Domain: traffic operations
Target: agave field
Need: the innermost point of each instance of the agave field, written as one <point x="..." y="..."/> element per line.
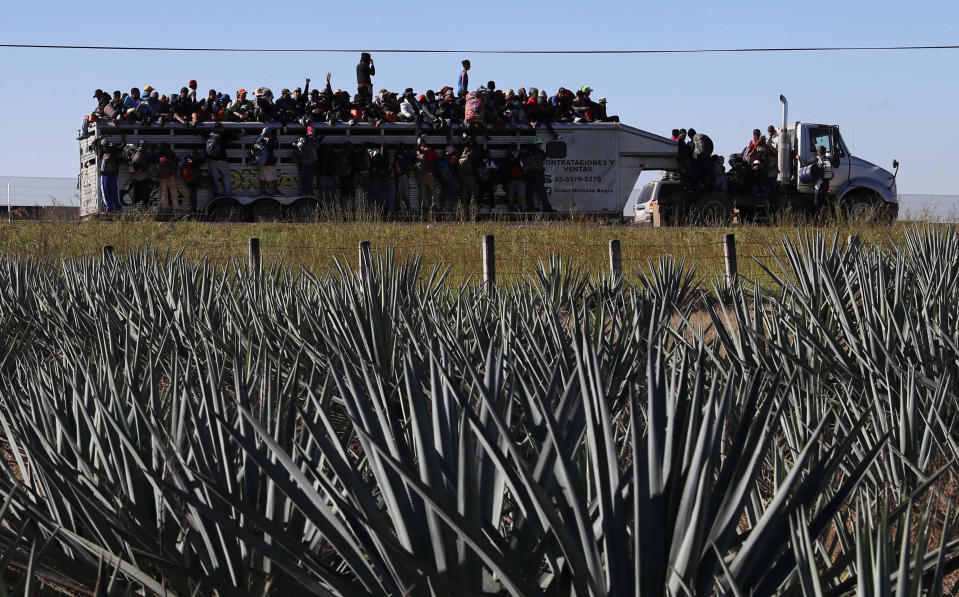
<point x="173" y="428"/>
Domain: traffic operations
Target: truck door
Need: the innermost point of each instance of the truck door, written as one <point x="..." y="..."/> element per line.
<point x="813" y="136"/>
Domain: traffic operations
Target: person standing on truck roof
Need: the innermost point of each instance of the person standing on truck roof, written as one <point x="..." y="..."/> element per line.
<point x="463" y="84"/>
<point x="364" y="71"/>
<point x="299" y="99"/>
<point x="773" y="138"/>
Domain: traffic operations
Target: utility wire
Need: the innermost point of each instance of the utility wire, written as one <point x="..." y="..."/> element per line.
<point x="432" y="51"/>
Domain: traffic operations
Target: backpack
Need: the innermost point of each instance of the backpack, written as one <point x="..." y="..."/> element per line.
<point x="305" y="150"/>
<point x="423" y="165"/>
<point x="260" y="151"/>
<point x="139" y="160"/>
<point x="213" y="146"/>
<point x="187" y="172"/>
<point x="166" y="166"/>
<point x="108" y="164"/>
<point x="483" y="171"/>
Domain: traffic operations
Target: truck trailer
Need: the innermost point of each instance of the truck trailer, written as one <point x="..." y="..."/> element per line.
<point x="590" y="169"/>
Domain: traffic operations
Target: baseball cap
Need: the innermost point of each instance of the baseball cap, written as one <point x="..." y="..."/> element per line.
<point x="586" y="89"/>
<point x="147" y="88"/>
<point x="241" y="90"/>
<point x="284" y="90"/>
<point x="192" y="83"/>
<point x="298" y="90"/>
<point x="537" y="141"/>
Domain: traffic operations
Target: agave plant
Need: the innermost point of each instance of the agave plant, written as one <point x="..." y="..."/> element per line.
<point x="177" y="429"/>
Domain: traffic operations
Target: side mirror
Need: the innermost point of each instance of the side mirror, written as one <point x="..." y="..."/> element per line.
<point x="895" y="164"/>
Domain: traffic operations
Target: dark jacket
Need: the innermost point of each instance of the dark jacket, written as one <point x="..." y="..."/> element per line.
<point x="365" y="70"/>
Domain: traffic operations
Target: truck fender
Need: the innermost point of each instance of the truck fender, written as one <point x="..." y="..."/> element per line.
<point x="855" y="184"/>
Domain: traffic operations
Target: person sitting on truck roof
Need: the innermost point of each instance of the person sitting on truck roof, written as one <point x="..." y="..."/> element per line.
<point x="286" y="111"/>
<point x="241" y="109"/>
<point x="756" y="146"/>
<point x="581" y="108"/>
<point x="264" y="108"/>
<point x="131" y="106"/>
<point x="103" y="99"/>
<point x="185" y="110"/>
<point x="600" y="112"/>
<point x="773" y="137"/>
<point x="209" y="108"/>
<point x="299" y="98"/>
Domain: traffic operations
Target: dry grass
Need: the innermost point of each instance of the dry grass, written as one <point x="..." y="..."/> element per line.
<point x="519" y="245"/>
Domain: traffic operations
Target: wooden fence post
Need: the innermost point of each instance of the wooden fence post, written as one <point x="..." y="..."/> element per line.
<point x="253" y="249"/>
<point x="363" y="259"/>
<point x="729" y="251"/>
<point x="489" y="262"/>
<point x="615" y="259"/>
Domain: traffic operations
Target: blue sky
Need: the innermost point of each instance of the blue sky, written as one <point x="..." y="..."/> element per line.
<point x="888" y="105"/>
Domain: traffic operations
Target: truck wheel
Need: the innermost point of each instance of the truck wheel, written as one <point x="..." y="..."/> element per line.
<point x="226" y="210"/>
<point x="266" y="210"/>
<point x="304" y="210"/>
<point x="862" y="205"/>
<point x="711" y="210"/>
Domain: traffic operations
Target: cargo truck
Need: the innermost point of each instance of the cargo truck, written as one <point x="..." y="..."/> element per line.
<point x="857" y="187"/>
<point x="591" y="169"/>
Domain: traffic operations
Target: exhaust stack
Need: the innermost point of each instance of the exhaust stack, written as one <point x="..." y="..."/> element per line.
<point x="782" y="147"/>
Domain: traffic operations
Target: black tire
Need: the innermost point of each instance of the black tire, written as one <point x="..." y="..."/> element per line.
<point x="266" y="210"/>
<point x="862" y="205"/>
<point x="226" y="210"/>
<point x="712" y="209"/>
<point x="304" y="210"/>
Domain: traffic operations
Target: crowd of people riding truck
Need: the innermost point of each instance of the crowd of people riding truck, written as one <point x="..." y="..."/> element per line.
<point x="447" y="176"/>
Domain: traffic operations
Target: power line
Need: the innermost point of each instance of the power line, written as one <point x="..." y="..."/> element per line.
<point x="468" y="51"/>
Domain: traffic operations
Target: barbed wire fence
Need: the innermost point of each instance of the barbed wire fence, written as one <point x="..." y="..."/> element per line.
<point x="504" y="260"/>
